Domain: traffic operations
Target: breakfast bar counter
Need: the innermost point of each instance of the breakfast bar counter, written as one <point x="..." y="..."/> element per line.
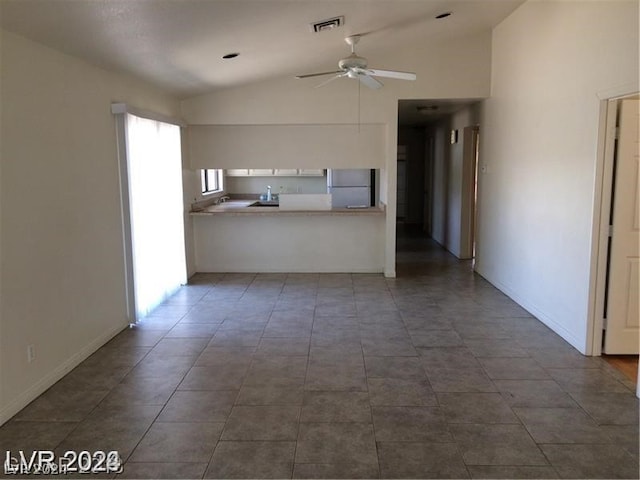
<point x="243" y="208"/>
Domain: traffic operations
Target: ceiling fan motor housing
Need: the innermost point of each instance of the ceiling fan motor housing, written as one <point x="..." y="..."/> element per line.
<point x="352" y="61"/>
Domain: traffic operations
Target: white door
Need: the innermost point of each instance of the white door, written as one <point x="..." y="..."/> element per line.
<point x="623" y="325"/>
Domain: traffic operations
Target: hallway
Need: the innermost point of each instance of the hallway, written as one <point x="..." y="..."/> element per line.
<point x="434" y="374"/>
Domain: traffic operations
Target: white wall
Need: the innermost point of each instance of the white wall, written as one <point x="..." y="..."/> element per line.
<point x="287" y="146"/>
<point x="457" y="68"/>
<point x="448" y="177"/>
<point x="62" y="273"/>
<point x="551" y="62"/>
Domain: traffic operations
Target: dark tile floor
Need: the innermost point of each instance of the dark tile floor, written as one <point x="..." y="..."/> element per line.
<point x="434" y="374"/>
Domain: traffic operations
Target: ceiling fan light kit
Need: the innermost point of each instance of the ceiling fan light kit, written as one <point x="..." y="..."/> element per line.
<point x="355" y="66"/>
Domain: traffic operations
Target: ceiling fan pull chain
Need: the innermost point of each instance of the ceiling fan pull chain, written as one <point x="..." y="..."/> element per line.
<point x="358" y="106"/>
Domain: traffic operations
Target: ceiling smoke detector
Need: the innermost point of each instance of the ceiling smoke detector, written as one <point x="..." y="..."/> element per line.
<point x="329" y="24"/>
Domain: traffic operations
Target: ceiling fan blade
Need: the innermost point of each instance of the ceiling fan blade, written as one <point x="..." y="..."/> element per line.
<point x="391" y="74"/>
<point x="309" y="75"/>
<point x="330" y="80"/>
<point x="370" y="82"/>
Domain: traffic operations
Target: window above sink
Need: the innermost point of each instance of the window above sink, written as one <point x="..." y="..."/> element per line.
<point x="211" y="181"/>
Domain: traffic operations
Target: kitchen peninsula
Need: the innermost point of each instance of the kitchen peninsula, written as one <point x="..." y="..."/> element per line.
<point x="236" y="237"/>
<point x="248" y="240"/>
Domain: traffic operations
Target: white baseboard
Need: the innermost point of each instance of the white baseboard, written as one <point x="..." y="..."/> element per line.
<point x="29" y="395"/>
<point x="236" y="269"/>
<point x="537" y="312"/>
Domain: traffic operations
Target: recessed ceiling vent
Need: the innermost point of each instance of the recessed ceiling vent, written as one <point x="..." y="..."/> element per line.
<point x="328" y="24"/>
<point x="426" y="109"/>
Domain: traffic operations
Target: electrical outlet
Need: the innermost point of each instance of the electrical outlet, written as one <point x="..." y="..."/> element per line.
<point x="31" y="353"/>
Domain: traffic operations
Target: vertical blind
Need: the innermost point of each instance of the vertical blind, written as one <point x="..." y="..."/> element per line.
<point x="156" y="210"/>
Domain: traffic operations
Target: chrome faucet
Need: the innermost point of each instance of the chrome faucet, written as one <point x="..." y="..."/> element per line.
<point x="269" y="193"/>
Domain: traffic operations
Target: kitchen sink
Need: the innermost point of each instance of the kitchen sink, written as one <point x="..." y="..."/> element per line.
<point x="272" y="203"/>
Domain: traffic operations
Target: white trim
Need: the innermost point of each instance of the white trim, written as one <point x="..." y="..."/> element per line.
<point x="537" y="313"/>
<point x="125" y="209"/>
<point x="47" y="381"/>
<point x="390" y="195"/>
<point x="600" y="225"/>
<point x="122" y="108"/>
<point x="266" y="269"/>
<point x="618" y="92"/>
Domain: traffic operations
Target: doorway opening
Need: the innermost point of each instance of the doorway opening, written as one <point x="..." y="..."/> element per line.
<point x="153" y="211"/>
<point x="614" y="315"/>
<point x="438" y="152"/>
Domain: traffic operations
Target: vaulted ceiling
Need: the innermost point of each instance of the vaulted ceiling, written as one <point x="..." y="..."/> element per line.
<point x="178" y="44"/>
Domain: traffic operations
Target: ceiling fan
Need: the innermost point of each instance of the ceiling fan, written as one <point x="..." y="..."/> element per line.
<point x="355" y="66"/>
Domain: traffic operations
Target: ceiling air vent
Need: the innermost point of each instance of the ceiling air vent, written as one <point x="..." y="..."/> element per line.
<point x="328" y="24"/>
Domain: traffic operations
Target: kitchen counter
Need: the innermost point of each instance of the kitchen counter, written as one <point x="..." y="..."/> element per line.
<point x="241" y="208"/>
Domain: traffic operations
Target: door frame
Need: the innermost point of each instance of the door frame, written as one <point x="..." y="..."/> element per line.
<point x="603" y="193"/>
<point x="470" y="156"/>
<point x="427" y="187"/>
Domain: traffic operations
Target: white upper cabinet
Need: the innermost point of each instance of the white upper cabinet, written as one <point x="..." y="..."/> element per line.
<point x="237" y="172"/>
<point x="270" y="172"/>
<point x="286" y="172"/>
<point x="261" y="172"/>
<point x="311" y="172"/>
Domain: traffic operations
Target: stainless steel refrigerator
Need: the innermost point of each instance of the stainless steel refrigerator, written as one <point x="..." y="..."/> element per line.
<point x="350" y="187"/>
